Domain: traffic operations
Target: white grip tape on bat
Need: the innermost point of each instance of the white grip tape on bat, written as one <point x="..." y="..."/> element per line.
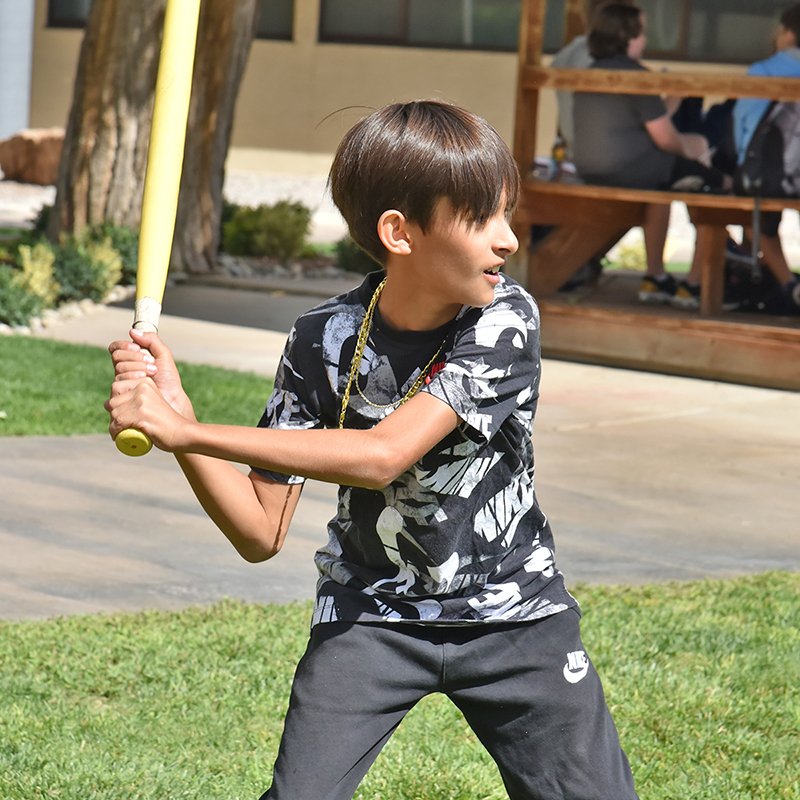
<point x="147" y="312"/>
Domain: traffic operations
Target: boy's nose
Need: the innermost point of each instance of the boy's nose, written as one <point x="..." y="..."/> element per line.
<point x="506" y="242"/>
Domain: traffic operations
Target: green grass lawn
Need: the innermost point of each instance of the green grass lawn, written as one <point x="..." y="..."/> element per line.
<point x="56" y="389"/>
<point x="703" y="679"/>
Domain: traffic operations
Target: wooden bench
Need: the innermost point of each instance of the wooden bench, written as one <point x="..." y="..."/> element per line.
<point x="589" y="219"/>
<point x="746" y="348"/>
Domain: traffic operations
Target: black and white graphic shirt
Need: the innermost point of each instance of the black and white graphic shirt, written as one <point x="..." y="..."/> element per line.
<point x="458" y="538"/>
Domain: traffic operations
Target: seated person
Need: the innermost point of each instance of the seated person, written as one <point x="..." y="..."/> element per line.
<point x="630" y="141"/>
<point x="747" y="113"/>
<point x="575" y="55"/>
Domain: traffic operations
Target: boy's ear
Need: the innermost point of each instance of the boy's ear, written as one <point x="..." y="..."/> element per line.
<point x="394" y="233"/>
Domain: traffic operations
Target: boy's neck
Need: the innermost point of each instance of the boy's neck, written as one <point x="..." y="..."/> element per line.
<point x="407" y="306"/>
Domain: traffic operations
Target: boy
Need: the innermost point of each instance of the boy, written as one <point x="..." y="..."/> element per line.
<point x="416" y="393"/>
<point x="747" y="113"/>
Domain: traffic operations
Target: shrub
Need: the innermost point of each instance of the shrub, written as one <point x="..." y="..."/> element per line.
<point x="125" y="241"/>
<point x="37" y="261"/>
<point x="41" y="219"/>
<point x="17" y="303"/>
<point x="86" y="268"/>
<point x="239" y="232"/>
<point x="278" y="231"/>
<point x="631" y="256"/>
<point x="351" y="258"/>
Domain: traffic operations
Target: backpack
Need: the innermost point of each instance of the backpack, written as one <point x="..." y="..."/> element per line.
<point x="771" y="165"/>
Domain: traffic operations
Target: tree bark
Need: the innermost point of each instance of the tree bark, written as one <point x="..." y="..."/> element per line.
<point x="225" y="34"/>
<point x="103" y="162"/>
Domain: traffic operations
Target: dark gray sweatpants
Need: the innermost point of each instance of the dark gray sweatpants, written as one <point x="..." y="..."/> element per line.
<point x="527" y="690"/>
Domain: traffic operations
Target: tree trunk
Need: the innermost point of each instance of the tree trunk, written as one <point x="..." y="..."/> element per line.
<point x="223" y="44"/>
<point x="103" y="162"/>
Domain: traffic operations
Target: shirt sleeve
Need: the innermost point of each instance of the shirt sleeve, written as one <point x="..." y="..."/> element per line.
<point x="293" y="404"/>
<point x="492" y="372"/>
<point x="649" y="107"/>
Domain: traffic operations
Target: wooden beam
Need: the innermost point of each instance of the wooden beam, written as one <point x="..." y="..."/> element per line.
<point x="681" y="84"/>
<point x="759" y="355"/>
<point x="538" y="192"/>
<point x="562" y="252"/>
<point x="709" y="252"/>
<point x="531" y="39"/>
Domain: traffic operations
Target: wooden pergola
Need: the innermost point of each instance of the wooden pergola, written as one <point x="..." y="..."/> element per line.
<point x="743" y="348"/>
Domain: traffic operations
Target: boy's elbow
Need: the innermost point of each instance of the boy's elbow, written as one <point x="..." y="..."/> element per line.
<point x="385" y="466"/>
<point x="256" y="552"/>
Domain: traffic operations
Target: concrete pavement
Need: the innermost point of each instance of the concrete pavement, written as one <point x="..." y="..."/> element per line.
<point x="644" y="478"/>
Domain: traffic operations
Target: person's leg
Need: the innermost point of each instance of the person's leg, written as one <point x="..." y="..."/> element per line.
<point x="656" y="224"/>
<point x="352" y="688"/>
<point x="788" y="298"/>
<point x="773" y="256"/>
<point x="657" y="286"/>
<point x="536" y="703"/>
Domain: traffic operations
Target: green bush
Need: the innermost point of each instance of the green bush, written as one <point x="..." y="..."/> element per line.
<point x="41" y="219"/>
<point x="239" y="232"/>
<point x="278" y="231"/>
<point x="125" y="241"/>
<point x="86" y="268"/>
<point x="37" y="262"/>
<point x="351" y="258"/>
<point x="17" y="303"/>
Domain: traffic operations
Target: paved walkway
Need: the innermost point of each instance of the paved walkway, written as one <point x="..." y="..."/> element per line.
<point x="644" y="478"/>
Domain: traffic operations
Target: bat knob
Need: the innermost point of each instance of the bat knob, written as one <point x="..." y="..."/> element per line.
<point x="133" y="443"/>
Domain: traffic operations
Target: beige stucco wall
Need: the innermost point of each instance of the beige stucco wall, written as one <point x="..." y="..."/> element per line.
<point x="55" y="62"/>
<point x="297" y="98"/>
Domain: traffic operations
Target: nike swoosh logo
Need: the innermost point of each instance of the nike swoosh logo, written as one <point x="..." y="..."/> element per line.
<point x="575" y="677"/>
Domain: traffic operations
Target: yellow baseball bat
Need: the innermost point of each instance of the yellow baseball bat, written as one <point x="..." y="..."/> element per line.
<point x="162" y="178"/>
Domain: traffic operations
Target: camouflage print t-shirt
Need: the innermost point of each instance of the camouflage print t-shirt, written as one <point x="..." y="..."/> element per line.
<point x="458" y="538"/>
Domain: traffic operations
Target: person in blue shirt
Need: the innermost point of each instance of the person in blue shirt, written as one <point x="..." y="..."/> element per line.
<point x="747" y="113"/>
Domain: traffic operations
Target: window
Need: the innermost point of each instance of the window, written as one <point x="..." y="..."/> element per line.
<point x="735" y="31"/>
<point x="67" y="13"/>
<point x="275" y="20"/>
<point x="451" y="24"/>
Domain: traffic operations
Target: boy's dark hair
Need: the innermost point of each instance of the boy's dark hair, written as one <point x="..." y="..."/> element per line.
<point x="613" y="26"/>
<point x="408" y="156"/>
<point x="790" y="19"/>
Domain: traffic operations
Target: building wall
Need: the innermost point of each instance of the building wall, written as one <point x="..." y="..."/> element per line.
<point x="298" y="98"/>
<point x="16" y="45"/>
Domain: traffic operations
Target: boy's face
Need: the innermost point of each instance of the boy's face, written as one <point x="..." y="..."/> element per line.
<point x="459" y="263"/>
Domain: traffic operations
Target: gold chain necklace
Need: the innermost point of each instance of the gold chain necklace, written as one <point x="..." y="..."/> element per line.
<point x="361" y="343"/>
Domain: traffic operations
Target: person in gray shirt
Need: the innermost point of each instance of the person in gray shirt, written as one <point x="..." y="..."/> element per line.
<point x="629" y="140"/>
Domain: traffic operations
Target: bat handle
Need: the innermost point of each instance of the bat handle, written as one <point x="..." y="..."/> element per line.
<point x="130" y="441"/>
<point x="133" y="443"/>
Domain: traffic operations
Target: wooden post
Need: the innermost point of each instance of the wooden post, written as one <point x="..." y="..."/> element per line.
<point x="531" y="35"/>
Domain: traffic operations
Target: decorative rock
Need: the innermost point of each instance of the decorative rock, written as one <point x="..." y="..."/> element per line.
<point x="32" y="155"/>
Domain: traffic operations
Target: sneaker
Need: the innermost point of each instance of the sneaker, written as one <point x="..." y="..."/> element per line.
<point x="657" y="290"/>
<point x="686" y="296"/>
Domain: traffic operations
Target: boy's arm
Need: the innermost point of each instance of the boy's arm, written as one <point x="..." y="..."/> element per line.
<point x="369" y="458"/>
<point x="253" y="512"/>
